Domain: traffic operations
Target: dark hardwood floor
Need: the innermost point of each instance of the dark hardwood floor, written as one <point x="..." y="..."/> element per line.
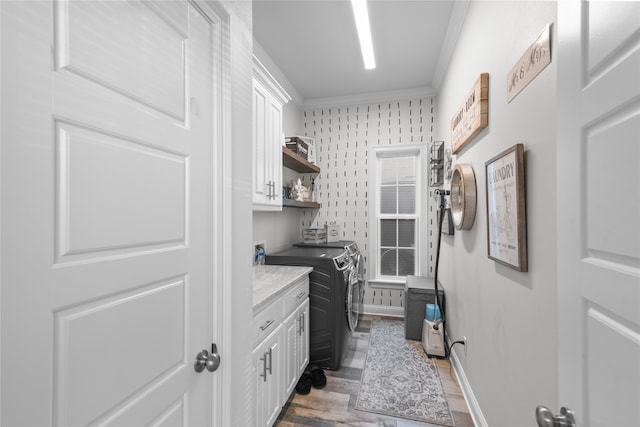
<point x="334" y="405"/>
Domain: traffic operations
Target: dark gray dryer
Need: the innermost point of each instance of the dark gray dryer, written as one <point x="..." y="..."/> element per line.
<point x="329" y="333"/>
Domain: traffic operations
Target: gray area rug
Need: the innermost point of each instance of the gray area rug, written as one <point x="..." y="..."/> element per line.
<point x="399" y="379"/>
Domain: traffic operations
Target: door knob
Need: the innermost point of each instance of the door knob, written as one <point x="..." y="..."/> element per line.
<point x="545" y="417"/>
<point x="206" y="360"/>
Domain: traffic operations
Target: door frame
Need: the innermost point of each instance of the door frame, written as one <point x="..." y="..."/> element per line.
<point x="221" y="238"/>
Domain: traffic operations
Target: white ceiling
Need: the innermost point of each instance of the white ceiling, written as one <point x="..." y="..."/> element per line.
<point x="315" y="44"/>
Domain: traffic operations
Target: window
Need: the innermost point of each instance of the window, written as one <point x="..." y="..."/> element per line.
<point x="396" y="213"/>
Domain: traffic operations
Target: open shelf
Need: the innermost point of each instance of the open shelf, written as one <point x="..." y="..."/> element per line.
<point x="296" y="204"/>
<point x="292" y="161"/>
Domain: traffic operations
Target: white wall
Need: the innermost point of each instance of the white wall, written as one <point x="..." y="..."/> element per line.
<point x="238" y="356"/>
<point x="279" y="230"/>
<point x="292" y="119"/>
<point x="508" y="317"/>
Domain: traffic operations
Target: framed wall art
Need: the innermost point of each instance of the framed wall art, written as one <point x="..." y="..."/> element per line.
<point x="506" y="208"/>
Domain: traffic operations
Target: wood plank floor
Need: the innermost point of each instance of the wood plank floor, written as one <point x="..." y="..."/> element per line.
<point x="334" y="405"/>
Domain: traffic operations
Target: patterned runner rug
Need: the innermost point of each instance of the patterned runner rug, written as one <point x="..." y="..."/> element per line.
<point x="399" y="379"/>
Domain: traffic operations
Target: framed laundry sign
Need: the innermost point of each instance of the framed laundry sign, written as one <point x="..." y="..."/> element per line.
<point x="472" y="116"/>
<point x="506" y="208"/>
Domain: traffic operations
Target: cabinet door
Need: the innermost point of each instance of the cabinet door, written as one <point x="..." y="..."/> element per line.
<point x="273" y="399"/>
<point x="291" y="338"/>
<point x="259" y="386"/>
<point x="276" y="138"/>
<point x="303" y="338"/>
<point x="267" y="367"/>
<point x="267" y="151"/>
<point x="262" y="154"/>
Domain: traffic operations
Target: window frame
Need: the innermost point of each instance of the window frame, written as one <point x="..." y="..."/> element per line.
<point x="419" y="151"/>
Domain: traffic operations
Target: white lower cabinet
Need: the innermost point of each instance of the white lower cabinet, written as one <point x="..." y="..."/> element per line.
<point x="267" y="365"/>
<point x="296" y="331"/>
<point x="281" y="351"/>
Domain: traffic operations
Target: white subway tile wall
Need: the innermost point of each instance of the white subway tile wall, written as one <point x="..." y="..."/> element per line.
<point x="343" y="136"/>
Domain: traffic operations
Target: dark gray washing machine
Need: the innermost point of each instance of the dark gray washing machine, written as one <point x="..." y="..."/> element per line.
<point x="329" y="333"/>
<point x="355" y="301"/>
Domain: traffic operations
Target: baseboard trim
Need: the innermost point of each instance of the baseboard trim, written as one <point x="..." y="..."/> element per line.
<point x="469" y="397"/>
<point x="383" y="310"/>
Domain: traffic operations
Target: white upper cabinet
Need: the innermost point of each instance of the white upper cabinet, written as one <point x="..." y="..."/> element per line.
<point x="268" y="101"/>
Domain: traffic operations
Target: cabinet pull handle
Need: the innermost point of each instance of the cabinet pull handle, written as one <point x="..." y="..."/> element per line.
<point x="272" y="190"/>
<point x="264" y="367"/>
<point x="301" y="323"/>
<point x="270" y="363"/>
<point x="266" y="325"/>
<point x="301" y="294"/>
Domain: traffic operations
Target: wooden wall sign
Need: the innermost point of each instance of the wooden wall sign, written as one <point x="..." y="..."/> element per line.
<point x="472" y="116"/>
<point x="530" y="64"/>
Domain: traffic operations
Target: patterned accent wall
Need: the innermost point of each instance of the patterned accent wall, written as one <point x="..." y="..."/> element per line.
<point x="343" y="136"/>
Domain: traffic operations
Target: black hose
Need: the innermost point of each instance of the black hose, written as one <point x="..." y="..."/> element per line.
<point x="438" y="304"/>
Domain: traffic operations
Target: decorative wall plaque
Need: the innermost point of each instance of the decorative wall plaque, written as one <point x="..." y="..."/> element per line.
<point x="530" y="64"/>
<point x="472" y="116"/>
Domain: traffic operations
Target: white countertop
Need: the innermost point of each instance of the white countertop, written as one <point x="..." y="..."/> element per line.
<point x="269" y="281"/>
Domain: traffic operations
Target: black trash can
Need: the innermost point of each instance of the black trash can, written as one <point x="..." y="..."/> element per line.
<point x="418" y="292"/>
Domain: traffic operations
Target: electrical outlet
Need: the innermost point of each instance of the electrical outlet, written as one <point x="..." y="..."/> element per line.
<point x="465" y="345"/>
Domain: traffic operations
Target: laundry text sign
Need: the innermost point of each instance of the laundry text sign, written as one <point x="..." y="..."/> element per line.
<point x="472" y="116"/>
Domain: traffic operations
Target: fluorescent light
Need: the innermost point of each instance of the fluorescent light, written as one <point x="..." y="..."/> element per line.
<point x="364" y="32"/>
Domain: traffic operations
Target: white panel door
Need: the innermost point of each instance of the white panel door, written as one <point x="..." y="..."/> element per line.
<point x="599" y="211"/>
<point x="108" y="172"/>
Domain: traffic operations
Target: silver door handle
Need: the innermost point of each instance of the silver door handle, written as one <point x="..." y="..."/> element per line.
<point x="545" y="417"/>
<point x="209" y="361"/>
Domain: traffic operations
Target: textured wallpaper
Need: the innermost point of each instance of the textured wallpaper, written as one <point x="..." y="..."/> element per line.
<point x="343" y="136"/>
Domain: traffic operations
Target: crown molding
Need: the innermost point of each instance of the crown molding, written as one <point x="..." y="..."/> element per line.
<point x="267" y="64"/>
<point x="369" y="98"/>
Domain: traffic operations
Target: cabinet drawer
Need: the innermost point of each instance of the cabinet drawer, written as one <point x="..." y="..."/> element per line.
<point x="266" y="321"/>
<point x="296" y="295"/>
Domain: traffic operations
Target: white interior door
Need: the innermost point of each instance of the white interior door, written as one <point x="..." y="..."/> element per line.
<point x="599" y="211"/>
<point x="108" y="151"/>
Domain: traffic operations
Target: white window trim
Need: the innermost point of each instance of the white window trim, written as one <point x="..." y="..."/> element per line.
<point x="422" y="188"/>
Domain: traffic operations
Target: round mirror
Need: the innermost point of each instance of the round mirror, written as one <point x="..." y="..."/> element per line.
<point x="463" y="196"/>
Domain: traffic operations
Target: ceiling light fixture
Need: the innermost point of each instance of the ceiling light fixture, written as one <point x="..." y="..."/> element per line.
<point x="364" y="32"/>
